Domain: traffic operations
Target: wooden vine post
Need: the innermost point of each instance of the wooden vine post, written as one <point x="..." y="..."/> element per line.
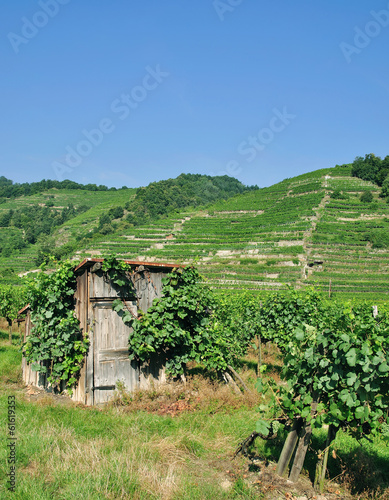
<point x="321" y="466"/>
<point x="259" y="350"/>
<point x="289" y="446"/>
<point x="302" y="447"/>
<point x="259" y="356"/>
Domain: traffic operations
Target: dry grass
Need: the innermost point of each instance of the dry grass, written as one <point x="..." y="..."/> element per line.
<point x="198" y="393"/>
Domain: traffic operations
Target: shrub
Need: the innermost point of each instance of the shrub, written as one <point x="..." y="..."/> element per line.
<point x="366" y="197"/>
<point x="339" y="195"/>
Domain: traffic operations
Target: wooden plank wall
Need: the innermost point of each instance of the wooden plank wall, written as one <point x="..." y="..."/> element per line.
<point x="107" y="360"/>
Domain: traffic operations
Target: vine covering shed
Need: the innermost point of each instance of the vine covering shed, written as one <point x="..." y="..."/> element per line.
<point x="107" y="360"/>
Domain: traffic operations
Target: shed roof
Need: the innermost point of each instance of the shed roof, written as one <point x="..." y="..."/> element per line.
<point x="24" y="310"/>
<point x="89" y="262"/>
<point x="135" y="263"/>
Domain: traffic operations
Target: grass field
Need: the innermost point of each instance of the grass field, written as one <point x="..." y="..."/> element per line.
<point x="173" y="443"/>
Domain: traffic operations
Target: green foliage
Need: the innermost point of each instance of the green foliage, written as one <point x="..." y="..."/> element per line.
<point x="336" y="357"/>
<point x="105" y="221"/>
<point x="234" y="326"/>
<point x="56" y="345"/>
<point x="176" y="324"/>
<point x="47" y="249"/>
<point x="337" y="194"/>
<point x="9" y="189"/>
<point x="371" y="168"/>
<point x="188" y="324"/>
<point x="283" y="312"/>
<point x="12" y="299"/>
<point x="161" y="198"/>
<point x="385" y="188"/>
<point x="342" y="364"/>
<point x="366" y="197"/>
<point x="33" y="223"/>
<point x="117" y="271"/>
<point x="379" y="238"/>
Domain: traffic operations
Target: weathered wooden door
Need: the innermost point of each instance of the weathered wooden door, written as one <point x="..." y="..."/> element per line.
<point x="111" y="358"/>
<point x="110" y="362"/>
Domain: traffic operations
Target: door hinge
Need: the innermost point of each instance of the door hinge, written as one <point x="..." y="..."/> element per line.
<point x="103" y="388"/>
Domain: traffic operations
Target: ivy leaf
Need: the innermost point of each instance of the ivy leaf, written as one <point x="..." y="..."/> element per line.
<point x="305" y="412"/>
<point x="347" y="398"/>
<point x="360" y="412"/>
<point x="384" y="367"/>
<point x="117" y="305"/>
<point x="351" y="357"/>
<point x="262" y="427"/>
<point x="259" y="385"/>
<point x="49" y="314"/>
<point x="299" y="334"/>
<point x="309" y="354"/>
<point x="351" y="378"/>
<point x="323" y="363"/>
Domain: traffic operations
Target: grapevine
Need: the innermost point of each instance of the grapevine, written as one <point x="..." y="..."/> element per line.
<point x="336" y="368"/>
<point x="56" y="345"/>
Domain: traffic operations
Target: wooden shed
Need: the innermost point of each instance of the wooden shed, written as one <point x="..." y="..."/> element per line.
<point x="107" y="361"/>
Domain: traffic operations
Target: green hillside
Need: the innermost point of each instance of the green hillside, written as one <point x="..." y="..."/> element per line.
<point x="290" y="233"/>
<point x="58" y="218"/>
<point x="311" y="229"/>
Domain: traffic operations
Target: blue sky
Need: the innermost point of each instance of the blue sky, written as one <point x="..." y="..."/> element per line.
<point x="126" y="92"/>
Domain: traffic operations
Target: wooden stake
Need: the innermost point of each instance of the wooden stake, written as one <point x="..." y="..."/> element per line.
<point x="236" y="375"/>
<point x="259" y="356"/>
<point x="301" y="451"/>
<point x="322" y="464"/>
<point x="302" y="447"/>
<point x="289" y="446"/>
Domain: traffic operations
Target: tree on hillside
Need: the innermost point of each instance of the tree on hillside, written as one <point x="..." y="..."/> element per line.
<point x="385" y="188"/>
<point x="366" y="168"/>
<point x="371" y="168"/>
<point x="366" y="197"/>
<point x="384" y="171"/>
<point x="161" y="198"/>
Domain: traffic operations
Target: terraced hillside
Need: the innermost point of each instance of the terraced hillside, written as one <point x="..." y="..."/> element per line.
<point x="296" y="232"/>
<point x="341" y="240"/>
<point x="290" y="233"/>
<point x="99" y="202"/>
